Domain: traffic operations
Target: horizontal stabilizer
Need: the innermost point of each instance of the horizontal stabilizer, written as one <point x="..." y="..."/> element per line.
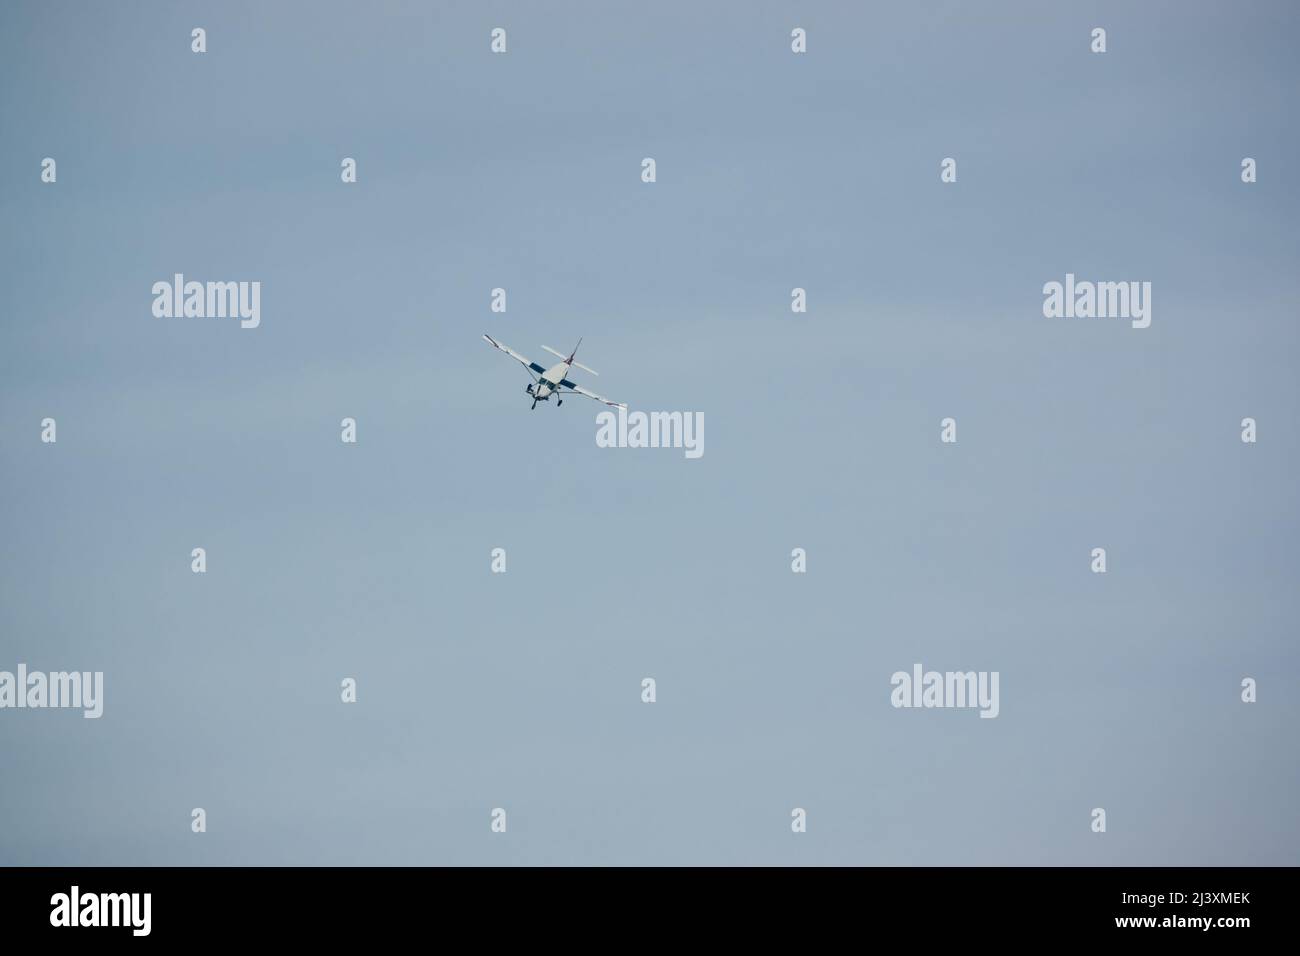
<point x="567" y="359"/>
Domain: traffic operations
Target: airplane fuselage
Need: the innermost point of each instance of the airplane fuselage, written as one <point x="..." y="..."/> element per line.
<point x="549" y="381"/>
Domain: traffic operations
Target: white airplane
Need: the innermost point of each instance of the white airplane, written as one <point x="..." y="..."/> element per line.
<point x="553" y="380"/>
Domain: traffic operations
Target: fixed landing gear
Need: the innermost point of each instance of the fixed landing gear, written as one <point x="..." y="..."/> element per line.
<point x="559" y="402"/>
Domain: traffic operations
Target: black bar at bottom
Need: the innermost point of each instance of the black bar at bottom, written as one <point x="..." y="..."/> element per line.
<point x="220" y="905"/>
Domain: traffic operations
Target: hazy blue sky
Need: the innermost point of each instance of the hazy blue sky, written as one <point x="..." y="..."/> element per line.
<point x="522" y="690"/>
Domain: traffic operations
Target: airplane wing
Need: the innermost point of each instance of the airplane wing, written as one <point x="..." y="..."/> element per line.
<point x="513" y="354"/>
<point x="582" y="391"/>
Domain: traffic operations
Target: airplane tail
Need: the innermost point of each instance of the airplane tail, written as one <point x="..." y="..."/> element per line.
<point x="569" y="358"/>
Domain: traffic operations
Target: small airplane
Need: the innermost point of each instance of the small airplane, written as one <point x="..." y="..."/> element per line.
<point x="553" y="380"/>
